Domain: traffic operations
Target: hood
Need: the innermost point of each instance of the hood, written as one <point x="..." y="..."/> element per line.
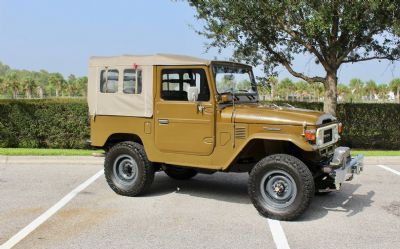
<point x="268" y="114"/>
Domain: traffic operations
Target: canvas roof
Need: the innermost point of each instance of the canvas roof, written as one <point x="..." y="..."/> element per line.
<point x="147" y="60"/>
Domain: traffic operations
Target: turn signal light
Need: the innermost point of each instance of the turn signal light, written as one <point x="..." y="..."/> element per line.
<point x="310" y="135"/>
<point x="340" y="128"/>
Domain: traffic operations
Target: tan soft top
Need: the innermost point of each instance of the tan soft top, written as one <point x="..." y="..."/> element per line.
<point x="147" y="60"/>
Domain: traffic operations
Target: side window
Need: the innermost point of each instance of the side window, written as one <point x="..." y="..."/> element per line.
<point x="109" y="81"/>
<point x="175" y="84"/>
<point x="132" y="81"/>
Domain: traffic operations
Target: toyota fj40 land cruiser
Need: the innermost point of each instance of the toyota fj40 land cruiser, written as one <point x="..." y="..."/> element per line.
<point x="184" y="115"/>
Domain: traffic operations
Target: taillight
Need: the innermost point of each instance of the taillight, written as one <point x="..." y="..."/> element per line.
<point x="310" y="135"/>
<point x="340" y="128"/>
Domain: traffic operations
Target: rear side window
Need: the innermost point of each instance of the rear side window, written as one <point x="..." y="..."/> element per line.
<point x="132" y="81"/>
<point x="109" y="81"/>
<point x="175" y="84"/>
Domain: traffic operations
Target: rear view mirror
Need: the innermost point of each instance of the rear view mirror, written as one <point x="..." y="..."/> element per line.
<point x="224" y="98"/>
<point x="192" y="94"/>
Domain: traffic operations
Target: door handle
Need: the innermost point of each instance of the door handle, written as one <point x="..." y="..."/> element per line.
<point x="163" y="121"/>
<point x="200" y="108"/>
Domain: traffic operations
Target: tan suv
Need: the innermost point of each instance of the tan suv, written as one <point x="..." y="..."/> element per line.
<point x="185" y="115"/>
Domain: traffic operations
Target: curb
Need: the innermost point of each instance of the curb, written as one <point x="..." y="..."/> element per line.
<point x="51" y="159"/>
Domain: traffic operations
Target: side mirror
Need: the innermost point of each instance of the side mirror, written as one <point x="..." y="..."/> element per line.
<point x="192" y="94"/>
<point x="223" y="98"/>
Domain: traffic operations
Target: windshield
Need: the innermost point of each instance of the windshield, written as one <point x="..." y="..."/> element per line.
<point x="234" y="78"/>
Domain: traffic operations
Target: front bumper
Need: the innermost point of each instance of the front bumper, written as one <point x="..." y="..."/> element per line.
<point x="343" y="166"/>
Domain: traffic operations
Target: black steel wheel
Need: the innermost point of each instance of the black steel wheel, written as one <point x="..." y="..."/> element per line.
<point x="127" y="170"/>
<point x="281" y="187"/>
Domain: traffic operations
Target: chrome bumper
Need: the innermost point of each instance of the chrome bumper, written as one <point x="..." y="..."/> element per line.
<point x="344" y="166"/>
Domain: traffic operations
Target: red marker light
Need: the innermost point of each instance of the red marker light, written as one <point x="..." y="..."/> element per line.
<point x="135" y="66"/>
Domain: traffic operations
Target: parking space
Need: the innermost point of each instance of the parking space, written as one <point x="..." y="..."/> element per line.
<point x="209" y="211"/>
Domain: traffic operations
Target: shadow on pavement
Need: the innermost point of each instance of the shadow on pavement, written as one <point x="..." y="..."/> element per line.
<point x="344" y="201"/>
<point x="229" y="187"/>
<point x="233" y="188"/>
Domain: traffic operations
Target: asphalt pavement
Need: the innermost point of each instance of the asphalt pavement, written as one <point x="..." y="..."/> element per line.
<point x="48" y="202"/>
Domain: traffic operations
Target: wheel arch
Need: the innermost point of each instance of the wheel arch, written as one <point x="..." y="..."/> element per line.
<point x="121" y="137"/>
<point x="258" y="147"/>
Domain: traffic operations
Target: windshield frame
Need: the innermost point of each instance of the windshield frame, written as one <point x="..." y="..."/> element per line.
<point x="235" y="65"/>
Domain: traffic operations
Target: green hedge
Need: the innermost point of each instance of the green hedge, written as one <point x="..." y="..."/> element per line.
<point x="50" y="123"/>
<point x="63" y="123"/>
<point x="366" y="126"/>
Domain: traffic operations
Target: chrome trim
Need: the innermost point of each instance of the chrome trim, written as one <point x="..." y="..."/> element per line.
<point x="344" y="166"/>
<point x="320" y="135"/>
<point x="271" y="129"/>
<point x="324" y="117"/>
<point x="163" y="121"/>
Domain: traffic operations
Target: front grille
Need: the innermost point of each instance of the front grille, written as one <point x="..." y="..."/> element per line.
<point x="328" y="136"/>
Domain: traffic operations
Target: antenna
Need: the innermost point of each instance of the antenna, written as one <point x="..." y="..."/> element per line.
<point x="233" y="112"/>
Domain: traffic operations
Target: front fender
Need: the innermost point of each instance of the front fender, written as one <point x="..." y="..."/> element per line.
<point x="297" y="140"/>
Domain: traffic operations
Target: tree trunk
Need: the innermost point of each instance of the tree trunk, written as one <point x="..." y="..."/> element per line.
<point x="398" y="94"/>
<point x="40" y="92"/>
<point x="272" y="91"/>
<point x="29" y="93"/>
<point x="14" y="93"/>
<point x="56" y="92"/>
<point x="330" y="97"/>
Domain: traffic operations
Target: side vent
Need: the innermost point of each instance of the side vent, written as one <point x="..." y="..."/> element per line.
<point x="240" y="132"/>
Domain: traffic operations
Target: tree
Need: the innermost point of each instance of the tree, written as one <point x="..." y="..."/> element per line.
<point x="28" y="84"/>
<point x="71" y="86"/>
<point x="11" y="82"/>
<point x="286" y="88"/>
<point x="382" y="91"/>
<point x="302" y="89"/>
<point x="273" y="82"/>
<point x="357" y="89"/>
<point x="343" y="91"/>
<point x="371" y="88"/>
<point x="56" y="80"/>
<point x="81" y="84"/>
<point x="272" y="32"/>
<point x="395" y="87"/>
<point x="4" y="69"/>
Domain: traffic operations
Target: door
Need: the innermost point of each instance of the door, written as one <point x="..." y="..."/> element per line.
<point x="183" y="126"/>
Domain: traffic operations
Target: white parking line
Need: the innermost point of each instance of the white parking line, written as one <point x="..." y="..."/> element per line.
<point x="389" y="169"/>
<point x="50" y="212"/>
<point x="278" y="234"/>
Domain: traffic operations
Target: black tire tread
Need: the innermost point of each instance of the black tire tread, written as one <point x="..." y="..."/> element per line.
<point x="147" y="178"/>
<point x="305" y="175"/>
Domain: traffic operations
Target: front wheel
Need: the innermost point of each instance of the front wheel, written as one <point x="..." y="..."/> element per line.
<point x="281" y="187"/>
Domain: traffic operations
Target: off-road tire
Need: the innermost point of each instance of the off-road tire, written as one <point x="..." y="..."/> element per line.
<point x="301" y="176"/>
<point x="145" y="171"/>
<point x="180" y="173"/>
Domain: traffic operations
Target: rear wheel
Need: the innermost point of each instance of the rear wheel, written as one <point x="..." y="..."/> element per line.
<point x="127" y="169"/>
<point x="179" y="173"/>
<point x="281" y="187"/>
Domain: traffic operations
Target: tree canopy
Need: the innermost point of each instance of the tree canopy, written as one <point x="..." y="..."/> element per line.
<point x="272" y="32"/>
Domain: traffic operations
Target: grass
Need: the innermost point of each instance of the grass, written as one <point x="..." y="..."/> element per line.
<point x="76" y="152"/>
<point x="376" y="152"/>
<point x="46" y="152"/>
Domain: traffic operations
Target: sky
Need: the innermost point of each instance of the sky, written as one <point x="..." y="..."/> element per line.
<point x="60" y="36"/>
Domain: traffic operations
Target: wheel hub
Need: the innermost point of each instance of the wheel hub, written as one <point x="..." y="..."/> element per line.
<point x="278" y="189"/>
<point x="125" y="169"/>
